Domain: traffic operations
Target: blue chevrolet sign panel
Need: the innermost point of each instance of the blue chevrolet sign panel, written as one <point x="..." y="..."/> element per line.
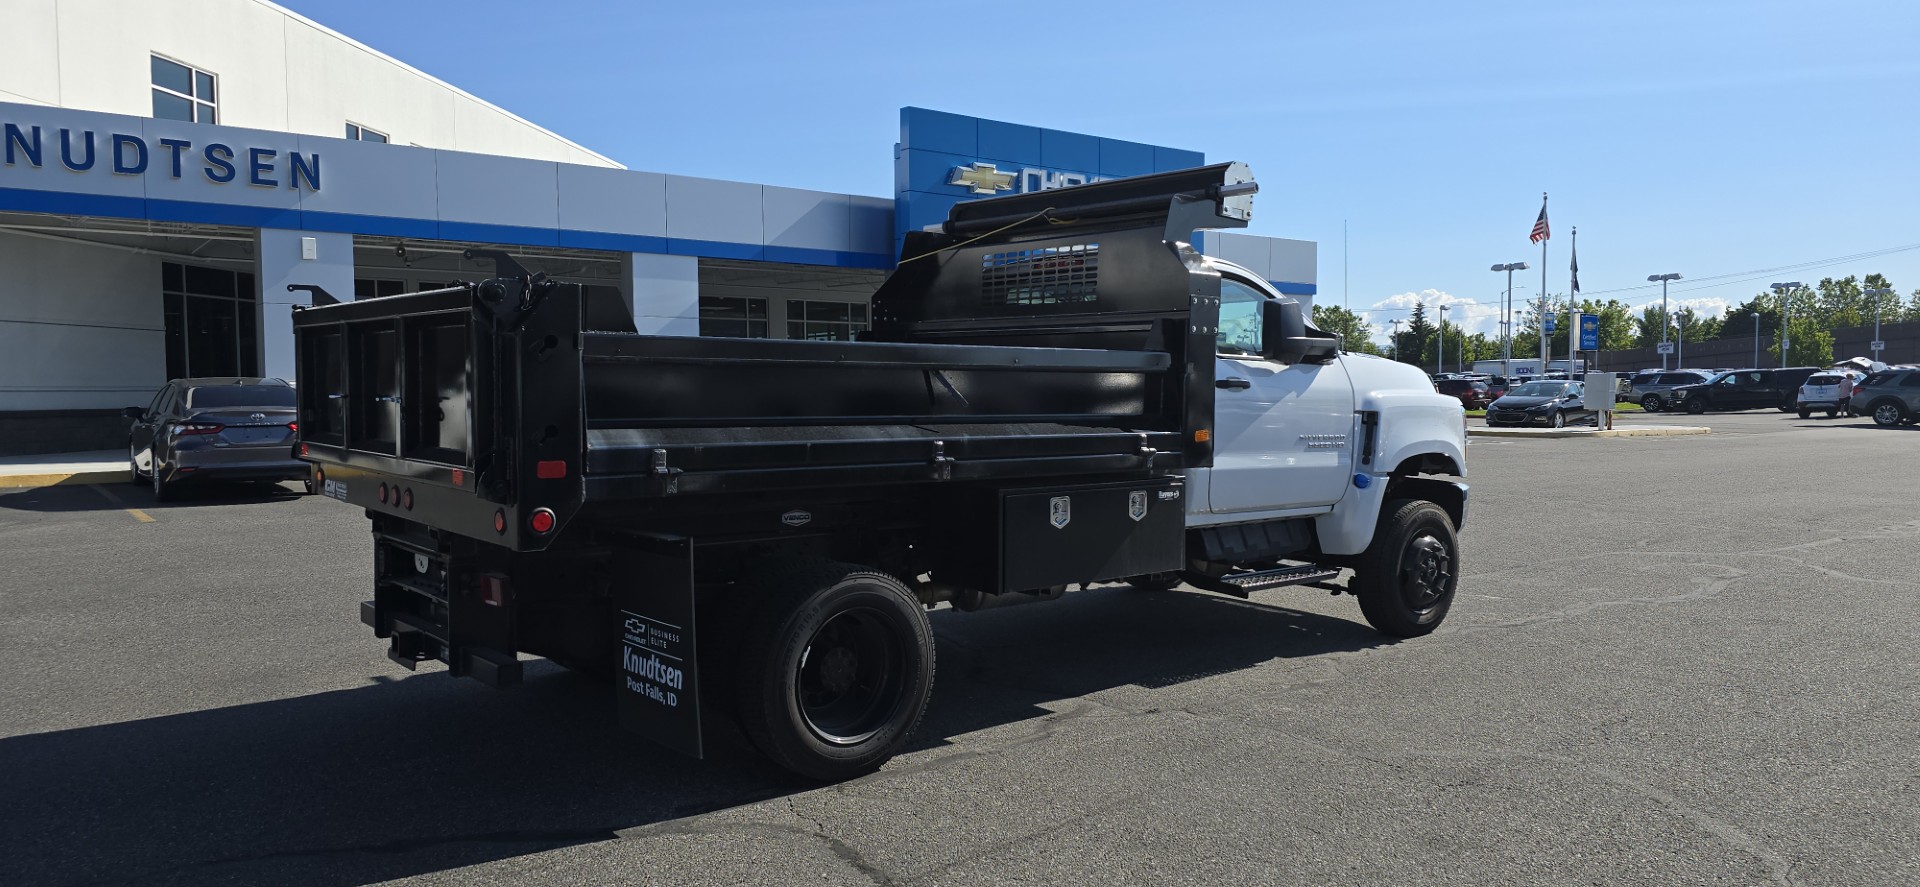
<point x="944" y="158"/>
<point x="1589" y="332"/>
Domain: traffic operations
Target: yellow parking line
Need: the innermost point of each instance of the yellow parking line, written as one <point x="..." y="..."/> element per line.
<point x="138" y="515"/>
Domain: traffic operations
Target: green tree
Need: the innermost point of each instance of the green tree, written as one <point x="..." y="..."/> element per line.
<point x="1354" y="331"/>
<point x="1739" y="319"/>
<point x="1415" y="343"/>
<point x="1647" y="327"/>
<point x="1810" y="343"/>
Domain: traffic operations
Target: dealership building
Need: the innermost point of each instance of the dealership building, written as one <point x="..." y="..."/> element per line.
<point x="170" y="168"/>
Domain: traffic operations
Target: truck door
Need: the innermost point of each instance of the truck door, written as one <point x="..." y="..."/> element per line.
<point x="1280" y="432"/>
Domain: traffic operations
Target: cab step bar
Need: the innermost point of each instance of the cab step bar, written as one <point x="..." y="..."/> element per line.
<point x="1241" y="585"/>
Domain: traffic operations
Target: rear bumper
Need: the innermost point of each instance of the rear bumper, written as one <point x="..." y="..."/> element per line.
<point x="235" y="465"/>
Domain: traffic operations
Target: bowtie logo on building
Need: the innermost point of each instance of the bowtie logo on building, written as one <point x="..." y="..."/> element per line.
<point x="982" y="178"/>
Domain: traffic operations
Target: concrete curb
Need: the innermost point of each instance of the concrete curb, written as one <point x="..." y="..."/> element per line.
<point x="61" y="479"/>
<point x="1556" y="433"/>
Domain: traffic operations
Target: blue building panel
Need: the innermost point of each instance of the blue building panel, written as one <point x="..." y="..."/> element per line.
<point x="940" y="131"/>
<point x="1010" y="143"/>
<point x="1120" y="159"/>
<point x="1070" y="151"/>
<point x="1174" y="158"/>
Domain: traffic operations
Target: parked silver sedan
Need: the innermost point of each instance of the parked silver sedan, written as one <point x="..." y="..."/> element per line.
<point x="214" y="429"/>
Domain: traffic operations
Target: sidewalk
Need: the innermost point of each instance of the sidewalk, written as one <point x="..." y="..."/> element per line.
<point x="96" y="467"/>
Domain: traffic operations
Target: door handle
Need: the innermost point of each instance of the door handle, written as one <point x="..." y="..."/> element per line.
<point x="1232" y="384"/>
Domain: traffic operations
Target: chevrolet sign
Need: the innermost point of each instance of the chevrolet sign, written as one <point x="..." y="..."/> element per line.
<point x="982" y="178"/>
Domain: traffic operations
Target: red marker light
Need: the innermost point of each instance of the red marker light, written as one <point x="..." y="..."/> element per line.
<point x="406" y="499"/>
<point x="541" y="521"/>
<point x="551" y="470"/>
<point x="500" y="521"/>
<point x="303" y="449"/>
<point x="459" y="478"/>
<point x="383" y="493"/>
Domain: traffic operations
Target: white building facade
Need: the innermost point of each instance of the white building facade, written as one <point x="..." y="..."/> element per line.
<point x="168" y="169"/>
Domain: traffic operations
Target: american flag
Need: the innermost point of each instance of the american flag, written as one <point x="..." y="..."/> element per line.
<point x="1540" y="231"/>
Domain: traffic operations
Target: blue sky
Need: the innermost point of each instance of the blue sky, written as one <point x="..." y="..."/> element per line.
<point x="1706" y="138"/>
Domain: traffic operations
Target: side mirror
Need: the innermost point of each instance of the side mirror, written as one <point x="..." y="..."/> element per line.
<point x="1285" y="336"/>
<point x="134" y="412"/>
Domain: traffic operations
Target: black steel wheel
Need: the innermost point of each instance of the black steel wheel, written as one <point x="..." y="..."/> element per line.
<point x="1696" y="405"/>
<point x="835" y="671"/>
<point x="1652" y="403"/>
<point x="1155" y="581"/>
<point x="1888" y="413"/>
<point x="1406" y="578"/>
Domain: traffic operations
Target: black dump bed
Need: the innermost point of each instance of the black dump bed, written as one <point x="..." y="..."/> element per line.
<point x="1068" y="333"/>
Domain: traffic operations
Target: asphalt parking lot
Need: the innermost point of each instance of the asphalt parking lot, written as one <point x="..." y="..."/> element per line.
<point x="1682" y="660"/>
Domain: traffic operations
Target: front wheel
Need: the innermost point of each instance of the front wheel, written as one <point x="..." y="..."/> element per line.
<point x="1652" y="403"/>
<point x="1557" y="420"/>
<point x="835" y="671"/>
<point x="1696" y="406"/>
<point x="1407" y="576"/>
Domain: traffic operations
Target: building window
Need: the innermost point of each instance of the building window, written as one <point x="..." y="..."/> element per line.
<point x="733" y="316"/>
<point x="360" y="133"/>
<point x="210" y="321"/>
<point x="365" y="288"/>
<point x="827" y="321"/>
<point x="183" y="93"/>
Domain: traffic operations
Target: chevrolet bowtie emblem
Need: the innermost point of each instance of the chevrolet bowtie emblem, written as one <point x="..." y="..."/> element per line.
<point x="982" y="178"/>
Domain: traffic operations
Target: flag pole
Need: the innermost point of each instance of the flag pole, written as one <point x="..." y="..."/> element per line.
<point x="1545" y="355"/>
<point x="1573" y="318"/>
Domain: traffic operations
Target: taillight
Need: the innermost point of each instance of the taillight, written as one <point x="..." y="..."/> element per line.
<point x="293" y="426"/>
<point x="1857" y="389"/>
<point x="197" y="428"/>
<point x="541" y="521"/>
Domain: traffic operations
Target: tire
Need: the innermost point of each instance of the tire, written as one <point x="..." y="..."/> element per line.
<point x="1696" y="406"/>
<point x="1832" y="413"/>
<point x="1807" y="413"/>
<point x="1557" y="420"/>
<point x="1155" y="581"/>
<point x="1786" y="405"/>
<point x="1888" y="413"/>
<point x="1407" y="576"/>
<point x="162" y="492"/>
<point x="834" y="670"/>
<point x="133" y="467"/>
<point x="1652" y="403"/>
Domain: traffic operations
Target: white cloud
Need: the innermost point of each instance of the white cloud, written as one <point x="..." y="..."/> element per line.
<point x="1702" y="307"/>
<point x="1469" y="314"/>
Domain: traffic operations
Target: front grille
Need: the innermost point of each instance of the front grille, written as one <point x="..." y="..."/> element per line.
<point x="1053" y="275"/>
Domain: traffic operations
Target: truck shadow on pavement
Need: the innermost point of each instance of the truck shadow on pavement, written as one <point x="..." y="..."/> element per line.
<point x="69" y="498"/>
<point x="424" y="773"/>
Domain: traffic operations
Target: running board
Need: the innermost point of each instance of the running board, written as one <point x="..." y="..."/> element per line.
<point x="1242" y="584"/>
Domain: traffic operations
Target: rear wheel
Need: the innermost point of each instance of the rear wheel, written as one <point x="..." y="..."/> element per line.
<point x="1652" y="403"/>
<point x="1154" y="581"/>
<point x="162" y="491"/>
<point x="835" y="670"/>
<point x="1407" y="576"/>
<point x="1888" y="413"/>
<point x="1832" y="413"/>
<point x="1805" y="413"/>
<point x="133" y="465"/>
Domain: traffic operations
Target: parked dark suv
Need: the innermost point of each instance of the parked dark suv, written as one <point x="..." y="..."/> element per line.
<point x="1891" y="397"/>
<point x="1474" y="394"/>
<point x="214" y="429"/>
<point x="1653" y="390"/>
<point x="1744" y="390"/>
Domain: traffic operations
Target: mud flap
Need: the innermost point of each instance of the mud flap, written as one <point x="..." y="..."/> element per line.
<point x="658" y="682"/>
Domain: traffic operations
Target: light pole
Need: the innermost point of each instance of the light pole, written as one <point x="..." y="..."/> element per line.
<point x="1680" y="320"/>
<point x="1440" y="352"/>
<point x="1878" y="294"/>
<point x="1662" y="280"/>
<point x="1506" y="317"/>
<point x="1396" y="338"/>
<point x="1785" y="339"/>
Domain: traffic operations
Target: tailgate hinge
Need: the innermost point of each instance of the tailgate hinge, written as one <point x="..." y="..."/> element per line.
<point x="942" y="463"/>
<point x="669" y="478"/>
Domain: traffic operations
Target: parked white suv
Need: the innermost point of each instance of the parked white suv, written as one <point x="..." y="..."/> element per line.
<point x="1828" y="391"/>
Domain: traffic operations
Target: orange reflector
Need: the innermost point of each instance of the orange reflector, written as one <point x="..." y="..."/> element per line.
<point x="550" y="470"/>
<point x="1203" y="435"/>
<point x="541" y="521"/>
